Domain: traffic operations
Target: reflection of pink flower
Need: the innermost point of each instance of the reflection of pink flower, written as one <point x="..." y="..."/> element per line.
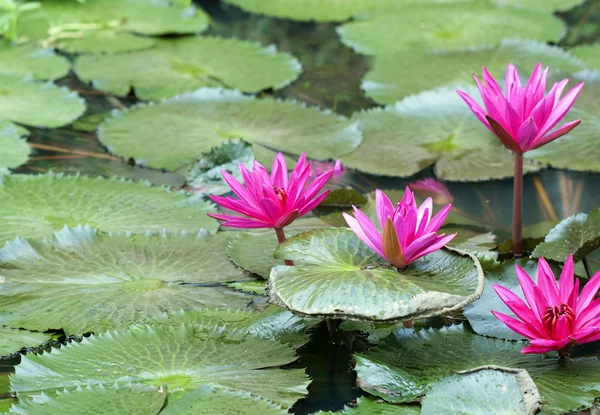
<point x="409" y="233"/>
<point x="320" y="167"/>
<point x="524" y="118"/>
<point x="437" y="191"/>
<point x="556" y="317"/>
<point x="271" y="201"/>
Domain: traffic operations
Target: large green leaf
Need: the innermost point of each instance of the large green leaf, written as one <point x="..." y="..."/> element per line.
<point x="399" y="75"/>
<point x="118" y="398"/>
<point x="199" y="121"/>
<point x="40" y="63"/>
<point x="34" y="206"/>
<point x="589" y="54"/>
<point x="402" y="366"/>
<point x="15" y="150"/>
<point x="370" y="406"/>
<point x="578" y="235"/>
<point x="434" y="127"/>
<point x="483" y="391"/>
<point x="105" y="41"/>
<point x="337" y="275"/>
<point x="82" y="282"/>
<point x="38" y="104"/>
<point x="447" y="27"/>
<point x="181" y="65"/>
<point x="184" y="357"/>
<point x="13" y="340"/>
<point x="540" y="5"/>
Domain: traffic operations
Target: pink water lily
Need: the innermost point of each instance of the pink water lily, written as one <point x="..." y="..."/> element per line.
<point x="556" y="315"/>
<point x="271" y="201"/>
<point x="339" y="170"/>
<point x="523" y="119"/>
<point x="429" y="187"/>
<point x="409" y="232"/>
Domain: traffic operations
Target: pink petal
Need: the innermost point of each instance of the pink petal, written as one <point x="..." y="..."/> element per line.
<point x="513" y="121"/>
<point x="438" y="220"/>
<point x="588" y="314"/>
<point x="240" y="207"/>
<point x="475" y="108"/>
<point x="561" y="108"/>
<point x="515" y="325"/>
<point x="360" y="233"/>
<point x="286" y="219"/>
<point x="561" y="329"/>
<point x="588" y="335"/>
<point x="313" y="203"/>
<point x="547" y="282"/>
<point x="518" y="306"/>
<point x="279" y="174"/>
<point x="566" y="281"/>
<point x="424" y="214"/>
<point x="296" y="185"/>
<point x="239" y="190"/>
<point x="527" y="133"/>
<point x="438" y="243"/>
<point x="384" y="207"/>
<point x="532" y="293"/>
<point x="559" y="132"/>
<point x="545" y="346"/>
<point x="317" y="185"/>
<point x="589" y="292"/>
<point x="237" y="222"/>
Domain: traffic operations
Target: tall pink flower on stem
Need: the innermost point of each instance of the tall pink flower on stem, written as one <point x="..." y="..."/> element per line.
<point x="409" y="232"/>
<point x="556" y="316"/>
<point x="271" y="201"/>
<point x="523" y="120"/>
<point x="429" y="187"/>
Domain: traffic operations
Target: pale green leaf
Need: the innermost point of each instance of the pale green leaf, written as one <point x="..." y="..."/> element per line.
<point x="28" y="59"/>
<point x="15" y="150"/>
<point x="105" y="41"/>
<point x="371" y="406"/>
<point x="13" y="340"/>
<point x="540" y="5"/>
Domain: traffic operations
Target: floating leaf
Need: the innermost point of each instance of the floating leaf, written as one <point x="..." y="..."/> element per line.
<point x="257" y="287"/>
<point x="105" y="41"/>
<point x="83" y="282"/>
<point x="433" y="127"/>
<point x="28" y="59"/>
<point x="540" y="5"/>
<point x="337" y="275"/>
<point x="396" y="76"/>
<point x="15" y="150"/>
<point x="13" y="340"/>
<point x="182" y="357"/>
<point x="96" y="398"/>
<point x="369" y="406"/>
<point x="181" y="65"/>
<point x="578" y="235"/>
<point x="483" y="391"/>
<point x="38" y="104"/>
<point x="402" y="366"/>
<point x="35" y="206"/>
<point x="199" y="121"/>
<point x="589" y="54"/>
<point x="447" y="27"/>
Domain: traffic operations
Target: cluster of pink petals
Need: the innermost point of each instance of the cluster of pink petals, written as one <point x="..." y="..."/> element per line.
<point x="320" y="168"/>
<point x="409" y="232"/>
<point x="556" y="316"/>
<point x="429" y="187"/>
<point x="524" y="118"/>
<point x="271" y="201"/>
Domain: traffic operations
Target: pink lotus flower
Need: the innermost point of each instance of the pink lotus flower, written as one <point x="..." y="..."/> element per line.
<point x="523" y="120"/>
<point x="557" y="316"/>
<point x="271" y="201"/>
<point x="320" y="167"/>
<point x="429" y="187"/>
<point x="409" y="233"/>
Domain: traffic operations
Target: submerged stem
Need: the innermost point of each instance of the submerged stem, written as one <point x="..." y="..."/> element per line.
<point x="281" y="238"/>
<point x="586" y="265"/>
<point x="517" y="236"/>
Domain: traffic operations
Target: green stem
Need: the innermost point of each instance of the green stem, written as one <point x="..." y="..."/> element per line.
<point x="586" y="265"/>
<point x="281" y="238"/>
<point x="518" y="207"/>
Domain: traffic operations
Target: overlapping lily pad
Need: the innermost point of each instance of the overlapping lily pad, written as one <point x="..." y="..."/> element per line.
<point x="15" y="150"/>
<point x="402" y="366"/>
<point x="117" y="398"/>
<point x="434" y="127"/>
<point x="370" y="406"/>
<point x="540" y="5"/>
<point x="13" y="340"/>
<point x="28" y="59"/>
<point x="181" y="65"/>
<point x="448" y="27"/>
<point x="183" y="357"/>
<point x="193" y="123"/>
<point x="83" y="282"/>
<point x="38" y="104"/>
<point x="578" y="235"/>
<point x="395" y="76"/>
<point x="35" y="206"/>
<point x="589" y="54"/>
<point x="337" y="275"/>
<point x="105" y="41"/>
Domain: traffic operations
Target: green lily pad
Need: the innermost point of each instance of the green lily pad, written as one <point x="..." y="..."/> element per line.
<point x="38" y="104"/>
<point x="257" y="287"/>
<point x="83" y="282"/>
<point x="483" y="391"/>
<point x="370" y="406"/>
<point x="402" y="366"/>
<point x="578" y="235"/>
<point x="35" y="206"/>
<point x="13" y="340"/>
<point x="433" y="127"/>
<point x="588" y="54"/>
<point x="99" y="398"/>
<point x="89" y="123"/>
<point x="183" y="357"/>
<point x="447" y="27"/>
<point x="28" y="59"/>
<point x="540" y="5"/>
<point x="182" y="65"/>
<point x="15" y="150"/>
<point x="337" y="275"/>
<point x="396" y="76"/>
<point x="105" y="41"/>
<point x="204" y="119"/>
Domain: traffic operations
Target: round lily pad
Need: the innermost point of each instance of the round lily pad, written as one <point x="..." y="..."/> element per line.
<point x="540" y="5"/>
<point x="15" y="150"/>
<point x="589" y="54"/>
<point x="13" y="340"/>
<point x="181" y="65"/>
<point x="431" y="128"/>
<point x="35" y="206"/>
<point x="199" y="121"/>
<point x="38" y="104"/>
<point x="28" y="59"/>
<point x="447" y="27"/>
<point x="338" y="276"/>
<point x="105" y="41"/>
<point x="395" y="76"/>
<point x="183" y="357"/>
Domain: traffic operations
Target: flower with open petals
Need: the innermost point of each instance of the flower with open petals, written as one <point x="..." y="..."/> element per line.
<point x="409" y="232"/>
<point x="557" y="316"/>
<point x="319" y="167"/>
<point x="523" y="119"/>
<point x="271" y="201"/>
<point x="429" y="187"/>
